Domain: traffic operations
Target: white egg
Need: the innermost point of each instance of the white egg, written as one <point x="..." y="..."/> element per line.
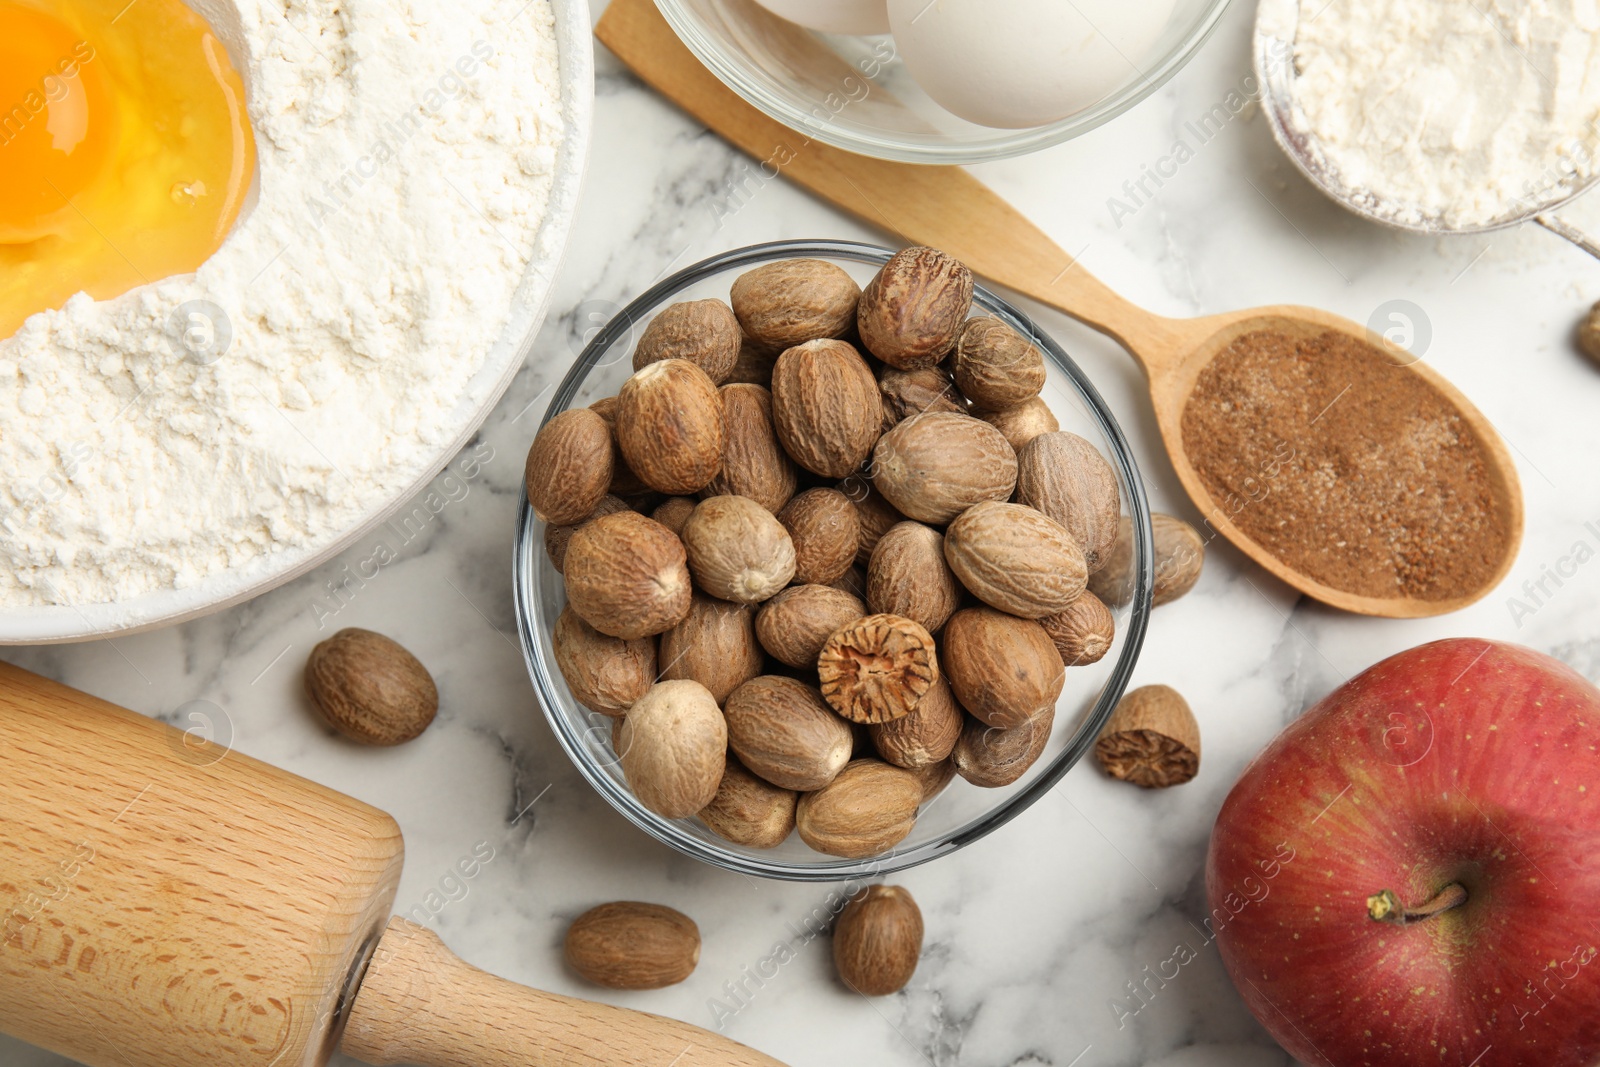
<point x="1020" y="63"/>
<point x="833" y="16"/>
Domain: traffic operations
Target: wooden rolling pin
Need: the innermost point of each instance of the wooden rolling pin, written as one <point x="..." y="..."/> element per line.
<point x="173" y="904"/>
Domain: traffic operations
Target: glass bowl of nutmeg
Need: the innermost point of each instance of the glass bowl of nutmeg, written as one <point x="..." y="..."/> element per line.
<point x="829" y="561"/>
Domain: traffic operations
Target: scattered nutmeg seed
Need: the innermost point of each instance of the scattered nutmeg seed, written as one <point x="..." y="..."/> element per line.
<point x="672" y="745"/>
<point x="569" y="467"/>
<point x="877" y="940"/>
<point x="1152" y="739"/>
<point x="876" y="668"/>
<point x="370" y="689"/>
<point x="629" y="945"/>
<point x="1589" y="335"/>
<point x="704" y="332"/>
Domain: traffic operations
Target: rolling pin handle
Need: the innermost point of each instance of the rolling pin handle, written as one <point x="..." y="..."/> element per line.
<point x="420" y="1004"/>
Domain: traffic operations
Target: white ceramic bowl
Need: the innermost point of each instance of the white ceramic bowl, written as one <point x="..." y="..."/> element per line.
<point x="58" y="623"/>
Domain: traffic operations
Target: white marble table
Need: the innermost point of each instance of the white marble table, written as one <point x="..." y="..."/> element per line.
<point x="1034" y="931"/>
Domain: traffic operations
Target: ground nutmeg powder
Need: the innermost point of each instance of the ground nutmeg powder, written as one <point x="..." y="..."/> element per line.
<point x="1348" y="468"/>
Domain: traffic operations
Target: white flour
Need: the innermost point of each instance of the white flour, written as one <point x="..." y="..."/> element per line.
<point x="406" y="153"/>
<point x="1457" y="111"/>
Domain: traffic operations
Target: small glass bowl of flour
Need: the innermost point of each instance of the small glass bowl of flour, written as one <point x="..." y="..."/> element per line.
<point x="1434" y="115"/>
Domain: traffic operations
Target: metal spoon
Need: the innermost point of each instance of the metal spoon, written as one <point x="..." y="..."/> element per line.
<point x="1277" y="23"/>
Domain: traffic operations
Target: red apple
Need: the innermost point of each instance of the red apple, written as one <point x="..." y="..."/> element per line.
<point x="1463" y="778"/>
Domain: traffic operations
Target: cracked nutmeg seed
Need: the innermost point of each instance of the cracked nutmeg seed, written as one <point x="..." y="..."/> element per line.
<point x="877" y="668"/>
<point x="1152" y="739"/>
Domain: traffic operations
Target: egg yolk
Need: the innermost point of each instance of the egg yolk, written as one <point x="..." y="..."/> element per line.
<point x="125" y="151"/>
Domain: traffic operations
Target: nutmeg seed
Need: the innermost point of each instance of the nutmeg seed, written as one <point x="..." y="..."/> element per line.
<point x="793" y="301"/>
<point x="370" y="689"/>
<point x="754" y="464"/>
<point x="877" y="940"/>
<point x="1180" y="556"/>
<point x="704" y="332"/>
<point x="738" y="550"/>
<point x="825" y="406"/>
<point x="995" y="366"/>
<point x="991" y="757"/>
<point x="1016" y="559"/>
<point x="926" y="736"/>
<point x="1151" y="740"/>
<point x="1068" y="479"/>
<point x="876" y="668"/>
<point x="865" y="811"/>
<point x="1083" y="632"/>
<point x="911" y="313"/>
<point x="783" y="731"/>
<point x="670" y="426"/>
<point x="826" y="531"/>
<point x="672" y="747"/>
<point x="908" y="576"/>
<point x="628" y="576"/>
<point x="1002" y="669"/>
<point x="605" y="674"/>
<point x="875" y="513"/>
<point x="1024" y="422"/>
<point x="794" y="625"/>
<point x="934" y="467"/>
<point x="750" y="811"/>
<point x="569" y="467"/>
<point x="629" y="945"/>
<point x="714" y="645"/>
<point x="557" y="538"/>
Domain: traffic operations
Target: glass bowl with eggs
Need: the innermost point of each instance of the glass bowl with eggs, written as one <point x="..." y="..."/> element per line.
<point x="737" y="668"/>
<point x="943" y="81"/>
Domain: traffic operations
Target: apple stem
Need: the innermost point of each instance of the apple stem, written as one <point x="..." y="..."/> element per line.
<point x="1385" y="906"/>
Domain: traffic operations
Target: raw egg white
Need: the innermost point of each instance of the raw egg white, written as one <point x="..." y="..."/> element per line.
<point x="1021" y="63"/>
<point x="125" y="151"/>
<point x="833" y="16"/>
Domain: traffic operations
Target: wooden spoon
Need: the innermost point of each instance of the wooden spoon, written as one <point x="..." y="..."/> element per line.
<point x="945" y="207"/>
